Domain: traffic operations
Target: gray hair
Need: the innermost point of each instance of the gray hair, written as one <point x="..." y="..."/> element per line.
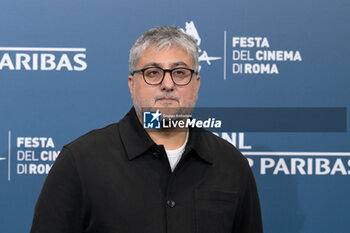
<point x="160" y="37"/>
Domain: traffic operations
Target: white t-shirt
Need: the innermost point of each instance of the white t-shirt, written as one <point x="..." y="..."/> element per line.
<point x="174" y="156"/>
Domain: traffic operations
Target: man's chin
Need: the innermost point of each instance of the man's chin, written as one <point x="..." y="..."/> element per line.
<point x="167" y="104"/>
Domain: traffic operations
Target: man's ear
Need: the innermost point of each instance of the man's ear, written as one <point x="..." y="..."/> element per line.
<point x="198" y="84"/>
<point x="198" y="81"/>
<point x="131" y="85"/>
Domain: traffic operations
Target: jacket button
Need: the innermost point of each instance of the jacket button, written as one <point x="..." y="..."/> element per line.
<point x="156" y="154"/>
<point x="171" y="203"/>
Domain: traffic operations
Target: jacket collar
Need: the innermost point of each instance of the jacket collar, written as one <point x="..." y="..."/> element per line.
<point x="137" y="141"/>
<point x="134" y="137"/>
<point x="198" y="141"/>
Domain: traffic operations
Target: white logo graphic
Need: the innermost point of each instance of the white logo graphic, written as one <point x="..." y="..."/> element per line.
<point x="156" y="115"/>
<point x="151" y="120"/>
<point x="191" y="30"/>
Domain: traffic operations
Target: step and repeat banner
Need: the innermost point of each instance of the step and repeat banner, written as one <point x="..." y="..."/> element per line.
<point x="281" y="66"/>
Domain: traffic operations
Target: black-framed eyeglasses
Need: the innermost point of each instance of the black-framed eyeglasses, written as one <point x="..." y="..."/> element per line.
<point x="155" y="75"/>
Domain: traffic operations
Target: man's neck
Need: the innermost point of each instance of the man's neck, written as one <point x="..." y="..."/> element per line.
<point x="171" y="139"/>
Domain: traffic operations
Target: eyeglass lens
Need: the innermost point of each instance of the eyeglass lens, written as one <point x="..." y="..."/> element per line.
<point x="155" y="75"/>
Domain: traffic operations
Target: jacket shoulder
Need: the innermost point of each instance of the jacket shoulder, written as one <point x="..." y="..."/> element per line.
<point x="95" y="138"/>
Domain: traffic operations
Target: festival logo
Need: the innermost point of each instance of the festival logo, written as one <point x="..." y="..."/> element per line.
<point x="191" y="30"/>
<point x="28" y="156"/>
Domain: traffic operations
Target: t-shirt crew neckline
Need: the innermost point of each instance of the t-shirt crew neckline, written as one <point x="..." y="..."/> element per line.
<point x="174" y="156"/>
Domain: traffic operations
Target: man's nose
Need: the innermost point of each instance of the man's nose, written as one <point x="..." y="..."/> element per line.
<point x="167" y="82"/>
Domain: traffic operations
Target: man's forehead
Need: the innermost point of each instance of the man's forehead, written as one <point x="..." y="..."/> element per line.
<point x="170" y="64"/>
<point x="165" y="56"/>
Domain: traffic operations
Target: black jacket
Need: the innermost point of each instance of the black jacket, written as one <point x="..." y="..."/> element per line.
<point x="117" y="180"/>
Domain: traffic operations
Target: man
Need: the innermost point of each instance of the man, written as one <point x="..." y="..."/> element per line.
<point x="125" y="179"/>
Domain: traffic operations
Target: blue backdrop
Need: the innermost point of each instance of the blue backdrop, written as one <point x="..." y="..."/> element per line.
<point x="64" y="68"/>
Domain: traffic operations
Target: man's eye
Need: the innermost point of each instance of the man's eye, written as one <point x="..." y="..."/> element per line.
<point x="179" y="72"/>
<point x="152" y="73"/>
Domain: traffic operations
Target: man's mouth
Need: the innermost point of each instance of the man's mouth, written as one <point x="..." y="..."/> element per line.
<point x="167" y="99"/>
